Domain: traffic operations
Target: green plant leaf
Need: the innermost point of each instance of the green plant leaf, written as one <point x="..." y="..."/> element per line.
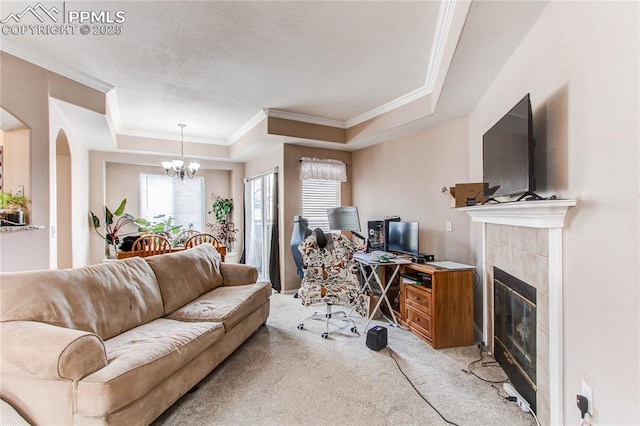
<point x="108" y="216"/>
<point x="95" y="220"/>
<point x="120" y="208"/>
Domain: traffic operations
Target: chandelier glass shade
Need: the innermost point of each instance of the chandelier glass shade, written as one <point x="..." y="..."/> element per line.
<point x="176" y="167"/>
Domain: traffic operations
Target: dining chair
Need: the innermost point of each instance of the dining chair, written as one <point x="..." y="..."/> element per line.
<point x="202" y="238"/>
<point x="207" y="238"/>
<point x="183" y="236"/>
<point x="151" y="244"/>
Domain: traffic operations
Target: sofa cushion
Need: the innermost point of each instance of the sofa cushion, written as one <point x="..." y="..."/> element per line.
<point x="105" y="299"/>
<point x="140" y="359"/>
<point x="185" y="275"/>
<point x="228" y="305"/>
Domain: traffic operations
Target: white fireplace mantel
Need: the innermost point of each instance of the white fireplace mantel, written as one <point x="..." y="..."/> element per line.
<point x="547" y="214"/>
<point x="532" y="214"/>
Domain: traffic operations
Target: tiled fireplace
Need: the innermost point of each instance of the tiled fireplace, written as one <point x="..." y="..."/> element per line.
<point x="523" y="253"/>
<point x="524" y="239"/>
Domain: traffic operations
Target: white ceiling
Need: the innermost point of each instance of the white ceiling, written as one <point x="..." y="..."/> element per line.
<point x="214" y="65"/>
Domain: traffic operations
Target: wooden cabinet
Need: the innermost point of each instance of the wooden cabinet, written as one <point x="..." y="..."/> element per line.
<point x="439" y="309"/>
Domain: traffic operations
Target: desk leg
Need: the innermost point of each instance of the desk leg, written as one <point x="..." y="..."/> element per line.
<point x="383" y="296"/>
<point x="367" y="278"/>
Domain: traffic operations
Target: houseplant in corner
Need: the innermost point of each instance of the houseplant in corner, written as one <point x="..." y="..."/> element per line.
<point x="12" y="207"/>
<point x="112" y="227"/>
<point x="223" y="229"/>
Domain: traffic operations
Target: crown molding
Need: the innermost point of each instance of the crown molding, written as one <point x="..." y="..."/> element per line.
<point x="388" y="107"/>
<point x="443" y="25"/>
<point x="13" y="49"/>
<point x="246" y="127"/>
<point x="113" y="114"/>
<point x="286" y="115"/>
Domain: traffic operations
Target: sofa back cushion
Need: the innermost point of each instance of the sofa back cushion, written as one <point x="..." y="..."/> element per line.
<point x="106" y="299"/>
<point x="186" y="275"/>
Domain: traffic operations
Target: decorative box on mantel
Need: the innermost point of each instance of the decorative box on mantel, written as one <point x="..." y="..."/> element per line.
<point x="526" y="237"/>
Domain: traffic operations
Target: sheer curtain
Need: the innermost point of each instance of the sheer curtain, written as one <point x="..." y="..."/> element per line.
<point x="261" y="242"/>
<point x="315" y="168"/>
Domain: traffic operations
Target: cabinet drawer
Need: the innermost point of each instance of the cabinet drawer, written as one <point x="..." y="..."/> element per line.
<point x="419" y="320"/>
<point x="419" y="298"/>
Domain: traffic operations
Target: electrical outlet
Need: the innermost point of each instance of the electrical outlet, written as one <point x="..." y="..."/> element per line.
<point x="587" y="392"/>
<point x="449" y="226"/>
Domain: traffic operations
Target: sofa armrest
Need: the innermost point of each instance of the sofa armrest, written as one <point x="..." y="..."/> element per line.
<point x="37" y="349"/>
<point x="238" y="274"/>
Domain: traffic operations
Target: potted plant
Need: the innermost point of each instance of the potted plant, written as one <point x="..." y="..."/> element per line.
<point x="12" y="207"/>
<point x="112" y="227"/>
<point x="224" y="230"/>
<point x="221" y="208"/>
<point x="161" y="224"/>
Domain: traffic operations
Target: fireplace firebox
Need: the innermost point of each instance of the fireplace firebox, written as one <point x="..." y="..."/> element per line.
<point x="515" y="332"/>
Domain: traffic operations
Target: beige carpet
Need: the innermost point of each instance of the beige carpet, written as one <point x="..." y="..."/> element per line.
<point x="286" y="376"/>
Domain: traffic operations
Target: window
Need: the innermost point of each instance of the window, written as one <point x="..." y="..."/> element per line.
<point x="182" y="200"/>
<point x="318" y="196"/>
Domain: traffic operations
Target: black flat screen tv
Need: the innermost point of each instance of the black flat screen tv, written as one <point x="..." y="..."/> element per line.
<point x="507" y="153"/>
<point x="403" y="237"/>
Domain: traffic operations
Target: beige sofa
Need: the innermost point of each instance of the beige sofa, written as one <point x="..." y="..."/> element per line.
<point x="118" y="343"/>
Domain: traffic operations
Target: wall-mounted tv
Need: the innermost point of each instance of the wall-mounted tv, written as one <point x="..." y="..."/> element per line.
<point x="507" y="153"/>
<point x="403" y="237"/>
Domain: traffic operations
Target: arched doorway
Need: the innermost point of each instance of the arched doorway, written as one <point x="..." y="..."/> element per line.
<point x="63" y="201"/>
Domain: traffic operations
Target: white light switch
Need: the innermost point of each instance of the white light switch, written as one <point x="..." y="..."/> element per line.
<point x="449" y="227"/>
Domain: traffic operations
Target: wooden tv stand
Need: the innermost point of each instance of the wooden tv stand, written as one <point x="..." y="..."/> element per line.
<point x="440" y="311"/>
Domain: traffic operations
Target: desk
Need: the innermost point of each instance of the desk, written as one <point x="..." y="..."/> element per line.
<point x="437" y="305"/>
<point x="364" y="259"/>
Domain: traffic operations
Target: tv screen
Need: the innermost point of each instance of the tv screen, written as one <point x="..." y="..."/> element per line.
<point x="507" y="152"/>
<point x="403" y="237"/>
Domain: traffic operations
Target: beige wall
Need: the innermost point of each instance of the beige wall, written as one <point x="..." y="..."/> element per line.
<point x="403" y="177"/>
<point x="26" y="91"/>
<point x="24" y="95"/>
<point x="74" y="206"/>
<point x="580" y="64"/>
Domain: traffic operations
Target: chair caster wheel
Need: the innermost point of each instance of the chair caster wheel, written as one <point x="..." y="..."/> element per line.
<point x="300" y="326"/>
<point x="354" y="330"/>
<point x="324" y="335"/>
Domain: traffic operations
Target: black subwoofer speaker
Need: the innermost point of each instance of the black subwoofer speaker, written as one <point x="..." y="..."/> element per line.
<point x="377" y="338"/>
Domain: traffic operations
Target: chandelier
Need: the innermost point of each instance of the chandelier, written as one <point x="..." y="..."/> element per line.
<point x="176" y="167"/>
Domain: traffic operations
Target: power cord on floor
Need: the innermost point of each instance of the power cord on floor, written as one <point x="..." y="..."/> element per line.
<point x="492" y="363"/>
<point x="416" y="389"/>
<point x="536" y="417"/>
<point x="509" y="398"/>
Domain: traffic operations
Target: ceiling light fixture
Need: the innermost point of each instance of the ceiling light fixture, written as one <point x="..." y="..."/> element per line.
<point x="176" y="167"/>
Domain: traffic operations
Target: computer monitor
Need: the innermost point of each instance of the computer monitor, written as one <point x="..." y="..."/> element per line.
<point x="344" y="218"/>
<point x="404" y="237"/>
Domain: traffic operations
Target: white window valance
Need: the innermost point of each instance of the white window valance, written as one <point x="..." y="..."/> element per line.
<point x="315" y="168"/>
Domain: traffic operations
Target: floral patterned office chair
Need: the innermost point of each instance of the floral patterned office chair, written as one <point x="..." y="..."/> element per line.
<point x="330" y="276"/>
